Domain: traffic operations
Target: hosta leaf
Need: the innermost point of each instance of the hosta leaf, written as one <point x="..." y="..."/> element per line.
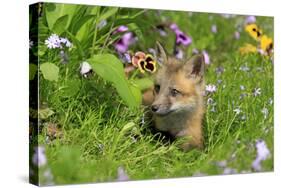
<point x="111" y="69"/>
<point x="50" y="71"/>
<point x="60" y="25"/>
<point x="143" y="83"/>
<point x="55" y="11"/>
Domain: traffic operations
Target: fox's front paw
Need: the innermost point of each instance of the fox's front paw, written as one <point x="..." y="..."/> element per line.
<point x="192" y="144"/>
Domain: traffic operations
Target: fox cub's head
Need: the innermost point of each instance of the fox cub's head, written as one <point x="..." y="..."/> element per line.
<point x="178" y="86"/>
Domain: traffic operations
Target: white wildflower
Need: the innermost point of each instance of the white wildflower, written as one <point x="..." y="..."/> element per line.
<point x="262" y="154"/>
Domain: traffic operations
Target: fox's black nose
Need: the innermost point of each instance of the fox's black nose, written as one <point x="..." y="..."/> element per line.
<point x="154" y="108"/>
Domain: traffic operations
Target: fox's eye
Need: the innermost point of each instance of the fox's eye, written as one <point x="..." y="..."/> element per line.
<point x="157" y="88"/>
<point x="175" y="92"/>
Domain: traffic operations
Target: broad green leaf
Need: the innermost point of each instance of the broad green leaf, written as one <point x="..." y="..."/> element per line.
<point x="143" y="83"/>
<point x="111" y="11"/>
<point x="111" y="69"/>
<point x="71" y="87"/>
<point x="81" y="22"/>
<point x="50" y="71"/>
<point x="45" y="113"/>
<point x="84" y="30"/>
<point x="60" y="25"/>
<point x="54" y="11"/>
<point x="32" y="71"/>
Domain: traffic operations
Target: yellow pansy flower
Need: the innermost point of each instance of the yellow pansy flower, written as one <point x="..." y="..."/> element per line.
<point x="266" y="43"/>
<point x="248" y="48"/>
<point x="254" y="31"/>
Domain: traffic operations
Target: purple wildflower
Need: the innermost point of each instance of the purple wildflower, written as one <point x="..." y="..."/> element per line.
<point x="174" y="27"/>
<point x="124" y="42"/>
<point x="125" y="57"/>
<point x="152" y="51"/>
<point x="214" y="28"/>
<point x="39" y="157"/>
<point x="53" y="41"/>
<point x="262" y="154"/>
<point x="122" y="176"/>
<point x="250" y="19"/>
<point x="210" y="88"/>
<point x="66" y="42"/>
<point x="206" y="57"/>
<point x="178" y="53"/>
<point x="219" y="70"/>
<point x="181" y="37"/>
<point x="237" y="35"/>
<point x="121" y="29"/>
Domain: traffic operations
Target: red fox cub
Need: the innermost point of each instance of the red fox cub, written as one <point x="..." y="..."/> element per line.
<point x="177" y="103"/>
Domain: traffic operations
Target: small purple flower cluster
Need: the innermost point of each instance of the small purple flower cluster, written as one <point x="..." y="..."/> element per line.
<point x="262" y="154"/>
<point x="54" y="41"/>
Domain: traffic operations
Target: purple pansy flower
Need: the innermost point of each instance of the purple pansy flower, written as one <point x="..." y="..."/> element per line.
<point x="181" y="37"/>
<point x="174" y="27"/>
<point x="121" y="29"/>
<point x="123" y="43"/>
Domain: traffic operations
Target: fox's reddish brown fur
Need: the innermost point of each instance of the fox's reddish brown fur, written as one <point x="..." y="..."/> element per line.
<point x="177" y="101"/>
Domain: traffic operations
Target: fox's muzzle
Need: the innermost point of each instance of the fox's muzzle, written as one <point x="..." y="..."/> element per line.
<point x="161" y="110"/>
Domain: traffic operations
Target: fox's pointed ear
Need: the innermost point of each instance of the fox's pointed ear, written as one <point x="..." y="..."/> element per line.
<point x="161" y="54"/>
<point x="195" y="66"/>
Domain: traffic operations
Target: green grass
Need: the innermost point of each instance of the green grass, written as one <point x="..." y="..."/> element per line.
<point x="100" y="133"/>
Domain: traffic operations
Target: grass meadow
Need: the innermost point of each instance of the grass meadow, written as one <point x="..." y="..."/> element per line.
<point x="91" y="125"/>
